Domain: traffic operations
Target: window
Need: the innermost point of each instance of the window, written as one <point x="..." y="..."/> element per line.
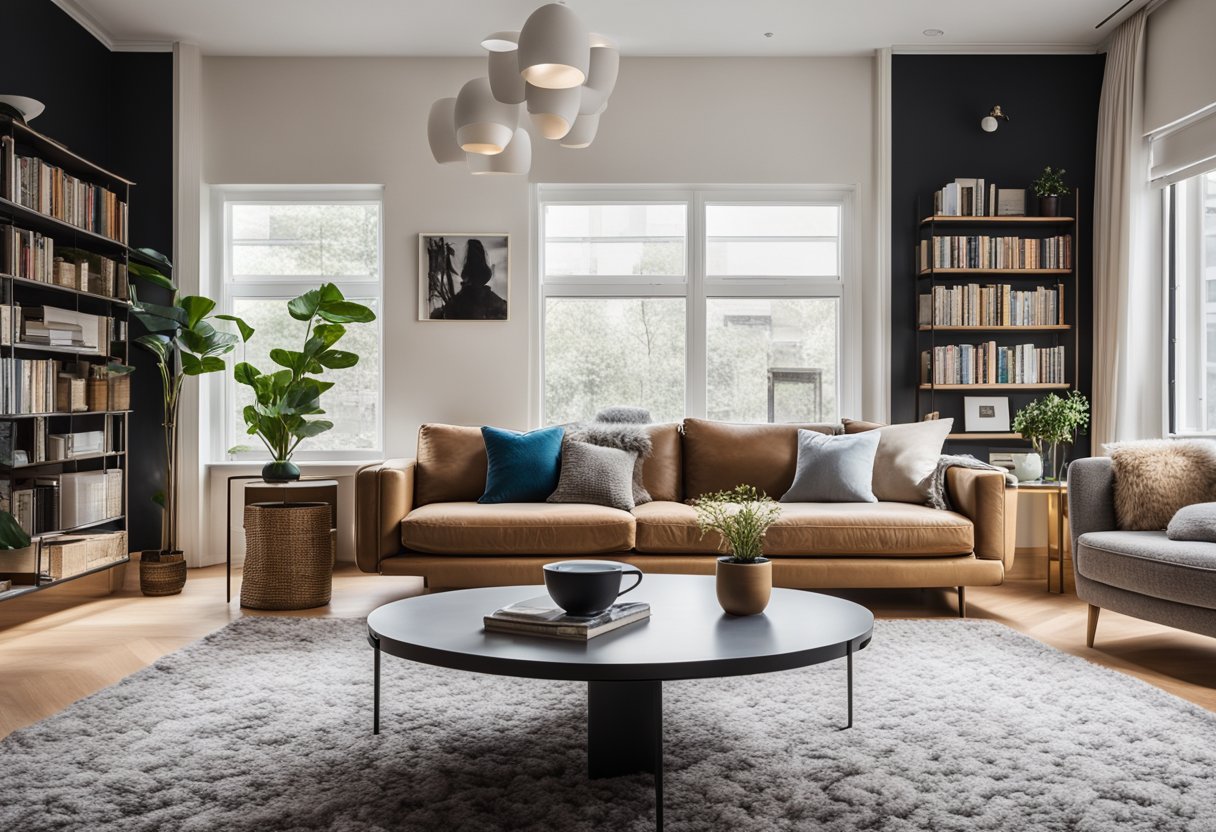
<point x="718" y="303"/>
<point x="1192" y="210"/>
<point x="277" y="245"/>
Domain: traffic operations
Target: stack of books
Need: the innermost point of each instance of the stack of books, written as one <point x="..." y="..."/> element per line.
<point x="967" y="197"/>
<point x="985" y="252"/>
<point x="999" y="305"/>
<point x="992" y="364"/>
<point x="541" y="617"/>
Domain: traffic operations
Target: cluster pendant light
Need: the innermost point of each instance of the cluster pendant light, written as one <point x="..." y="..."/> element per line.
<point x="559" y="70"/>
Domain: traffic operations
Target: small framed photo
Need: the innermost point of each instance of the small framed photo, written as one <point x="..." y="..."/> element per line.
<point x="986" y="414"/>
<point x="464" y="277"/>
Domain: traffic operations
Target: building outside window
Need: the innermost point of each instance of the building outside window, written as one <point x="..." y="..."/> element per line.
<point x="719" y="303"/>
<point x="277" y="245"/>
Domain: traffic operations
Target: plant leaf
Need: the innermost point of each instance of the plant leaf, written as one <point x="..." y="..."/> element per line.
<point x="337" y="359"/>
<point x="158" y="345"/>
<point x="196" y="308"/>
<point x="151" y="275"/>
<point x="245" y="329"/>
<point x="304" y="307"/>
<point x="12" y="536"/>
<point x="245" y="373"/>
<point x="346" y="312"/>
<point x="311" y="428"/>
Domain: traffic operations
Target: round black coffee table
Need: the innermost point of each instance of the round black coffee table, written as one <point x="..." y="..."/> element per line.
<point x="686" y="637"/>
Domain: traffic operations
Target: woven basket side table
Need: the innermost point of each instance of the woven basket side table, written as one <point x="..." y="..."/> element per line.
<point x="289" y="556"/>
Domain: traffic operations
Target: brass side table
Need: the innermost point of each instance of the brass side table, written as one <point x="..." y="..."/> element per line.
<point x="1056" y="494"/>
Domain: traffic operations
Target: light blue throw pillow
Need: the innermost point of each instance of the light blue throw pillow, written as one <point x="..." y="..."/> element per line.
<point x="521" y="467"/>
<point x="834" y="469"/>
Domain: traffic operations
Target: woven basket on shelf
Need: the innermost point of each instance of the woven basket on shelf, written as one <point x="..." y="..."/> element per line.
<point x="98" y="394"/>
<point x="289" y="558"/>
<point x="120" y="393"/>
<point x="166" y="576"/>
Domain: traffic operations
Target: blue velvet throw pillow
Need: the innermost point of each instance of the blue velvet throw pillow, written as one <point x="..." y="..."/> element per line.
<point x="522" y="467"/>
<point x="834" y="469"/>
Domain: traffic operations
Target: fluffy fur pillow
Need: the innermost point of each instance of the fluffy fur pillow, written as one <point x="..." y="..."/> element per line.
<point x="1155" y="478"/>
<point x="624" y="437"/>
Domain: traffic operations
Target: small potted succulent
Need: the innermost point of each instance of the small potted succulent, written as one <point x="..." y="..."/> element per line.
<point x="1051" y="422"/>
<point x="741" y="517"/>
<point x="1049" y="187"/>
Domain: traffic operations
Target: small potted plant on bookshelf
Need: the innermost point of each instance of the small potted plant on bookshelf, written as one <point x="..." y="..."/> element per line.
<point x="284" y="398"/>
<point x="741" y="516"/>
<point x="1050" y="423"/>
<point x="184" y="343"/>
<point x="1049" y="187"/>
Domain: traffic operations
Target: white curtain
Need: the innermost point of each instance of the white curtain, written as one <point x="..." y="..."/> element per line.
<point x="1127" y="291"/>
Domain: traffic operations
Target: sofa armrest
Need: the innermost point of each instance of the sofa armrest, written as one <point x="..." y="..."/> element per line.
<point x="384" y="494"/>
<point x="985" y="499"/>
<point x="1091" y="497"/>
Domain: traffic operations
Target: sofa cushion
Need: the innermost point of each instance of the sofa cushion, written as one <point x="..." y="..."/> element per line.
<point x="886" y="529"/>
<point x="1193" y="522"/>
<point x="833" y="469"/>
<point x="521" y="467"/>
<point x="469" y="528"/>
<point x="1149" y="563"/>
<point x="720" y="455"/>
<point x="451" y="464"/>
<point x="595" y="474"/>
<point x="1156" y="477"/>
<point x="906" y="459"/>
<point x="662" y="472"/>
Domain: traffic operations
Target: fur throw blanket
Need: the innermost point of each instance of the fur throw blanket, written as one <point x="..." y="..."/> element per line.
<point x="939" y="496"/>
<point x="626" y="437"/>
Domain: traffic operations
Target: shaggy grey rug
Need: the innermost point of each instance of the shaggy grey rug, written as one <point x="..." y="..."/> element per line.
<point x="961" y="725"/>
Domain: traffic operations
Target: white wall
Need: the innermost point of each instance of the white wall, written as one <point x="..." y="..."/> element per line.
<point x="671" y="120"/>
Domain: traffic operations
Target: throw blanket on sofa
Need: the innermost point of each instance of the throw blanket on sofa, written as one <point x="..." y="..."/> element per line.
<point x="939" y="497"/>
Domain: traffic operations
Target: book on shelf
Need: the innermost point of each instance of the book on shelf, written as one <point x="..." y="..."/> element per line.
<point x="984" y="252"/>
<point x="990" y="305"/>
<point x="964" y="197"/>
<point x="34" y="256"/>
<point x="539" y="616"/>
<point x="989" y="363"/>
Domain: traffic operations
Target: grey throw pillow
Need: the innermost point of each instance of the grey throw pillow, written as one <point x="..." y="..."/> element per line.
<point x="635" y="438"/>
<point x="595" y="474"/>
<point x="833" y="469"/>
<point x="1194" y="522"/>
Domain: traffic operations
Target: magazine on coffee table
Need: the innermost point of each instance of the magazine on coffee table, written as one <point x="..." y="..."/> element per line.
<point x="539" y="616"/>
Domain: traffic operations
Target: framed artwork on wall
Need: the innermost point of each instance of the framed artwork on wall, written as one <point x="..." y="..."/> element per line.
<point x="464" y="277"/>
<point x="986" y="414"/>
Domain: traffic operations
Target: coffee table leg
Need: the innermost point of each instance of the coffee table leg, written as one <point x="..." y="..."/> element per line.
<point x="849" y="660"/>
<point x="624" y="727"/>
<point x="376" y="690"/>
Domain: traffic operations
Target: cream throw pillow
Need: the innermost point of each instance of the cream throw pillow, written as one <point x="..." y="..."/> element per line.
<point x="906" y="459"/>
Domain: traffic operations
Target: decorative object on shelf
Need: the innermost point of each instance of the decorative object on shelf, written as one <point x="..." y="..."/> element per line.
<point x="1051" y="423"/>
<point x="1027" y="467"/>
<point x="1048" y="187"/>
<point x="563" y="72"/>
<point x="285" y="397"/>
<point x="20" y="107"/>
<point x="986" y="413"/>
<point x="588" y="588"/>
<point x="989" y="122"/>
<point x="185" y="343"/>
<point x="1011" y="202"/>
<point x="741" y="517"/>
<point x="482" y="262"/>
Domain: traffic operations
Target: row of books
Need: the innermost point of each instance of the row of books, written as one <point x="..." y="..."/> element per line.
<point x="966" y="197"/>
<point x="65" y="501"/>
<point x="44" y="385"/>
<point x="992" y="305"/>
<point x="29" y="441"/>
<point x="34" y="256"/>
<point x="984" y="252"/>
<point x="989" y="363"/>
<point x="49" y="189"/>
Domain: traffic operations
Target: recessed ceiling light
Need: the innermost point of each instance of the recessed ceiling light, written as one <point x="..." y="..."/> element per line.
<point x="933" y="33"/>
<point x="768" y="34"/>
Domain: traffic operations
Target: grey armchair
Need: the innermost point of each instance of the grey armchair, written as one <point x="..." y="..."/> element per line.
<point x="1142" y="574"/>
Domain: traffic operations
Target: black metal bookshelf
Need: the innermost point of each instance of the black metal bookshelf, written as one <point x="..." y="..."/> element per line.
<point x="18" y="139"/>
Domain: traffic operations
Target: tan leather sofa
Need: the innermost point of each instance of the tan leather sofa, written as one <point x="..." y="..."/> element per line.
<point x="421" y="517"/>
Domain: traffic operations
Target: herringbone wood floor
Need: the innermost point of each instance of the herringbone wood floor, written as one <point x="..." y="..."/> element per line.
<point x="55" y="650"/>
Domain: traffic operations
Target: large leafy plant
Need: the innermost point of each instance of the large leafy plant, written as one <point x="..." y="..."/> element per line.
<point x="285" y="400"/>
<point x="185" y="343"/>
<point x="741" y="516"/>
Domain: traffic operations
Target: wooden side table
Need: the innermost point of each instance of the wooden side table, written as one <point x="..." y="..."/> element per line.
<point x="256" y="490"/>
<point x="1057" y="527"/>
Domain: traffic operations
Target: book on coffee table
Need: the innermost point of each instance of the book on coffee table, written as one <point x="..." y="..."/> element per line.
<point x="539" y="616"/>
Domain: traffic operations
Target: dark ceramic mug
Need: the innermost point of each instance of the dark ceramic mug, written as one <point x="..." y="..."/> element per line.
<point x="586" y="588"/>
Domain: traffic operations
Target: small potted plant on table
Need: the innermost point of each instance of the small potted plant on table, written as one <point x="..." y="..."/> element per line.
<point x="1051" y="422"/>
<point x="1049" y="187"/>
<point x="741" y="516"/>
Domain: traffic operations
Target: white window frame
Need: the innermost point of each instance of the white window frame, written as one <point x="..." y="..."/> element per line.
<point x="696" y="287"/>
<point x="1187" y="330"/>
<point x="287" y="287"/>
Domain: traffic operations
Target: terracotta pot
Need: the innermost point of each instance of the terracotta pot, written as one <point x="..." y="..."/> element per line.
<point x="744" y="588"/>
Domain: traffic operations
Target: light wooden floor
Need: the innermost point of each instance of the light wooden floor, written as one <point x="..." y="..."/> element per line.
<point x="55" y="650"/>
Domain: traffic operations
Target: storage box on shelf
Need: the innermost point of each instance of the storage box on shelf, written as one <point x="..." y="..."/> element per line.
<point x="1012" y="279"/>
<point x="64" y="316"/>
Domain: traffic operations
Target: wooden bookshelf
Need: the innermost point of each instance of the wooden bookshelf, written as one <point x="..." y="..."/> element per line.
<point x="995" y="386"/>
<point x="1047" y="328"/>
<point x="1010" y="272"/>
<point x="1019" y="220"/>
<point x="983" y="437"/>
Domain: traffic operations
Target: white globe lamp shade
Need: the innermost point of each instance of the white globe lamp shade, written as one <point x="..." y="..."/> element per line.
<point x="506" y="84"/>
<point x="516" y="159"/>
<point x="501" y="42"/>
<point x="554" y="48"/>
<point x="483" y="124"/>
<point x="583" y="132"/>
<point x="988" y="124"/>
<point x="441" y="132"/>
<point x="553" y="111"/>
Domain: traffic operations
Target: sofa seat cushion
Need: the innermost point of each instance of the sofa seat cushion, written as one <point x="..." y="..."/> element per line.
<point x="886" y="529"/>
<point x="1149" y="563"/>
<point x="468" y="528"/>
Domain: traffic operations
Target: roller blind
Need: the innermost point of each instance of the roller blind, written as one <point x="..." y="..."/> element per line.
<point x="1184" y="151"/>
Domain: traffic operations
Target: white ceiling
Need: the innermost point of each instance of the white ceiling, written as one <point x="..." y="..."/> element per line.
<point x="643" y="27"/>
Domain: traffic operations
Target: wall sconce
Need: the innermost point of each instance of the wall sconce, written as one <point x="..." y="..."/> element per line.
<point x="989" y="122"/>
